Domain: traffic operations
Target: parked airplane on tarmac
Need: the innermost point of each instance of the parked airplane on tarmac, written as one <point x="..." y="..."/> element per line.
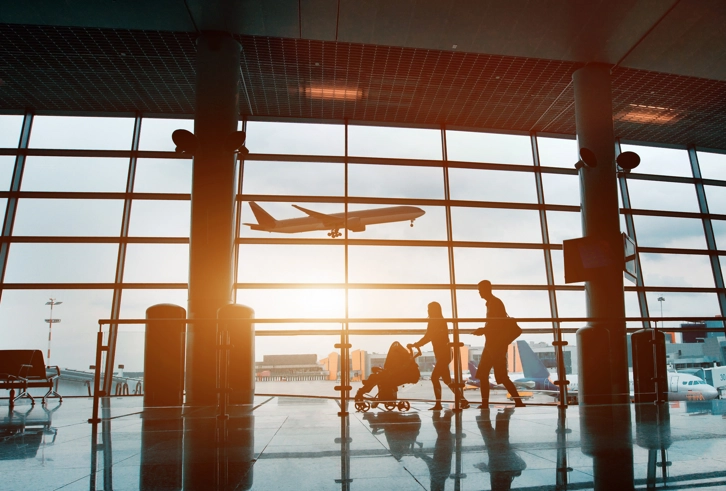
<point x="681" y="386"/>
<point x="474" y="383"/>
<point x="356" y="222"/>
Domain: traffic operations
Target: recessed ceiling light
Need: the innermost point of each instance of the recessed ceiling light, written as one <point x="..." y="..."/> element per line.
<point x="644" y="114"/>
<point x="454" y="46"/>
<point x="334" y="92"/>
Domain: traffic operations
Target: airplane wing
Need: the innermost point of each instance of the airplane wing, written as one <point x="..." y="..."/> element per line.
<point x="328" y="220"/>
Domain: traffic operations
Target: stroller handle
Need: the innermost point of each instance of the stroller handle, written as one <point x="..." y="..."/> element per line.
<point x="410" y="350"/>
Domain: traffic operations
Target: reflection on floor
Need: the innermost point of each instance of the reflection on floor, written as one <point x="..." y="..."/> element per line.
<point x="300" y="444"/>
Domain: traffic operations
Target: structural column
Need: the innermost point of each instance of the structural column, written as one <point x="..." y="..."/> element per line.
<point x="211" y="257"/>
<point x="601" y="222"/>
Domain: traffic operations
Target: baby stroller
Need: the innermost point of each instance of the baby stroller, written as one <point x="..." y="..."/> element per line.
<point x="400" y="368"/>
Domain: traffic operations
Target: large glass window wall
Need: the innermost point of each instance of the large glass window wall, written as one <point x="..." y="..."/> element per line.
<point x="96" y="214"/>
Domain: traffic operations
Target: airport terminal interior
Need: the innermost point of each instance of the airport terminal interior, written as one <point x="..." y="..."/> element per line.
<point x="221" y="219"/>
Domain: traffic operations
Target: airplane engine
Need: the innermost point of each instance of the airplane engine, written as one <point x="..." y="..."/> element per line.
<point x="354" y="225"/>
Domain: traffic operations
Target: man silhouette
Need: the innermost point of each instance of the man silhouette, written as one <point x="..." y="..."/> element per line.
<point x="495" y="349"/>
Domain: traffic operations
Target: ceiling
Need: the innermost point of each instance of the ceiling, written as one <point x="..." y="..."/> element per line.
<point x="489" y="64"/>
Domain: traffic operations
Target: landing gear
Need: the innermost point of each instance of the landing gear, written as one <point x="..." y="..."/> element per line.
<point x="336" y="233"/>
<point x="412" y="223"/>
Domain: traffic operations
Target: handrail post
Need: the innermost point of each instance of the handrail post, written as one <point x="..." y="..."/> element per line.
<point x="97" y="377"/>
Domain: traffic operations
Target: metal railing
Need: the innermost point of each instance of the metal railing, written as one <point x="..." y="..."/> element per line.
<point x="344" y="345"/>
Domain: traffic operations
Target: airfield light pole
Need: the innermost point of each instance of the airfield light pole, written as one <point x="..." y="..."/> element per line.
<point x="661" y="299"/>
<point x="50" y="322"/>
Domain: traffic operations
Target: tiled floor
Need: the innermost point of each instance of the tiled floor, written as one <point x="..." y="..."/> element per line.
<point x="302" y="444"/>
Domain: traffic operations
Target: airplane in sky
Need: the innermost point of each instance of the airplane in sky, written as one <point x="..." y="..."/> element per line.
<point x="356" y="222"/>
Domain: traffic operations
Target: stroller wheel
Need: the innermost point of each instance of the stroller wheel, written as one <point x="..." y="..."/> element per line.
<point x="404" y="405"/>
<point x="390" y="406"/>
<point x="362" y="406"/>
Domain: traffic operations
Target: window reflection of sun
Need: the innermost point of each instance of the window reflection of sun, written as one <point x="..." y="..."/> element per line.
<point x="327" y="303"/>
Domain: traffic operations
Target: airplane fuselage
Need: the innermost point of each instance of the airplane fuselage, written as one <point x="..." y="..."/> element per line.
<point x="357" y="220"/>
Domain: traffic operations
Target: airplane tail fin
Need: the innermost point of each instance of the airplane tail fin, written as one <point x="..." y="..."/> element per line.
<point x="263" y="218"/>
<point x="532" y="366"/>
<point x="472" y="370"/>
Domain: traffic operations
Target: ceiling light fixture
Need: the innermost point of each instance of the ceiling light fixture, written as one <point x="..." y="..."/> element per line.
<point x="332" y="92"/>
<point x="643" y="114"/>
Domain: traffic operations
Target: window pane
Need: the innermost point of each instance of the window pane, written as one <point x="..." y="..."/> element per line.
<point x="684" y="233"/>
<point x="716" y="199"/>
<point x="676" y="270"/>
<point x="669" y="196"/>
<point x="685" y="304"/>
<point x="135" y="302"/>
<point x="402" y="143"/>
<point x="469" y="146"/>
<point x="712" y="165"/>
<point x="154" y="218"/>
<point x="387" y="303"/>
<point x="495" y="225"/>
<point x="82" y="133"/>
<point x="398" y="264"/>
<point x="661" y="161"/>
<point x="492" y="185"/>
<point x="156" y="133"/>
<point x="10" y="127"/>
<point x="74" y="339"/>
<point x="157" y="263"/>
<point x="163" y="176"/>
<point x="295" y="303"/>
<point x="719" y="232"/>
<point x="75" y="174"/>
<point x="632" y="309"/>
<point x="291" y="263"/>
<point x="500" y="266"/>
<point x="61" y="263"/>
<point x="295" y="138"/>
<point x="7" y="165"/>
<point x="59" y="217"/>
<point x="561" y="189"/>
<point x="395" y="181"/>
<point x="563" y="225"/>
<point x="557" y="152"/>
<point x="571" y="304"/>
<point x="293" y="178"/>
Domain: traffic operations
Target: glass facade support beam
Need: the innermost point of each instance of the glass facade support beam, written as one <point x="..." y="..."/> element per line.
<point x="708" y="230"/>
<point x="600" y="223"/>
<point x="12" y="206"/>
<point x="630" y="228"/>
<point x="211" y="255"/>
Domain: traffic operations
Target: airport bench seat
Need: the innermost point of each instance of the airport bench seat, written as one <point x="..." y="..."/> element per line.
<point x="25" y="369"/>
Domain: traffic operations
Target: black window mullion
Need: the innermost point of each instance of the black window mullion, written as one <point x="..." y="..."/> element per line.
<point x="708" y="229"/>
<point x="11" y="208"/>
<point x="630" y="228"/>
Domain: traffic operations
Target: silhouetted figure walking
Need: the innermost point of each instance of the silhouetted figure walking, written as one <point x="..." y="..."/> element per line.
<point x="504" y="463"/>
<point x="437" y="333"/>
<point x="495" y="348"/>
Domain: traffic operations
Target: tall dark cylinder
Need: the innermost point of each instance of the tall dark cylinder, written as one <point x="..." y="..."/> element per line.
<point x="604" y="293"/>
<point x="650" y="381"/>
<point x="164" y="355"/>
<point x="593" y="347"/>
<point x="211" y="243"/>
<point x="237" y="320"/>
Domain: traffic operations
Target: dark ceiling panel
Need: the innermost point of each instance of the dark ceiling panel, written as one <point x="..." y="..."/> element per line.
<point x="53" y="69"/>
<point x="678" y="44"/>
